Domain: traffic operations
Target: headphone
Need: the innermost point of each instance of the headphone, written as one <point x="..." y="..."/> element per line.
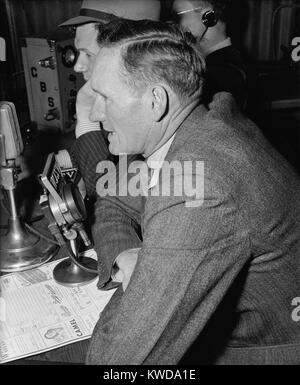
<point x="209" y="18"/>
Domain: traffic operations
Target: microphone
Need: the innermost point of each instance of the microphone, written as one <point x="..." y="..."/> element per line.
<point x="10" y="136"/>
<point x="64" y="207"/>
<point x="20" y="249"/>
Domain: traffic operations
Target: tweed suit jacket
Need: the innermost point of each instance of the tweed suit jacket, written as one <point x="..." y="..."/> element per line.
<point x="86" y="152"/>
<point x="214" y="283"/>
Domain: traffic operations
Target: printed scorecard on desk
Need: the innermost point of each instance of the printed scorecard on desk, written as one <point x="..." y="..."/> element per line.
<point x="37" y="314"/>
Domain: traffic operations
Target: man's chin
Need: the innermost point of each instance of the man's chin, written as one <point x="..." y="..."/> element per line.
<point x="113" y="150"/>
<point x="117" y="152"/>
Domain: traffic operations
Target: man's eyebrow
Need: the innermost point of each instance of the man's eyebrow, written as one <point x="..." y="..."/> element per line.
<point x="83" y="49"/>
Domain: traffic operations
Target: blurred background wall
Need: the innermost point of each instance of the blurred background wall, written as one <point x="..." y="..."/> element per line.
<point x="252" y="31"/>
<point x="263" y="30"/>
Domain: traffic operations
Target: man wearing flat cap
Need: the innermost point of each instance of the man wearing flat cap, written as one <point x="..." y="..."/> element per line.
<point x="90" y="146"/>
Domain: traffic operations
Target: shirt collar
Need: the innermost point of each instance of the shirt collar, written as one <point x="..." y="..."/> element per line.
<point x="224" y="43"/>
<point x="155" y="161"/>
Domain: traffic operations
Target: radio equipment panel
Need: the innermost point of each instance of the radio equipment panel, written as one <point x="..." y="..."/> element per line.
<point x="51" y="82"/>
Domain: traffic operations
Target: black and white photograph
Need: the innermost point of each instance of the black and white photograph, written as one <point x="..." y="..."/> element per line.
<point x="149" y="186"/>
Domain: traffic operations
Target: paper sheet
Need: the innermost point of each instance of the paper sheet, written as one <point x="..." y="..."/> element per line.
<point x="37" y="314"/>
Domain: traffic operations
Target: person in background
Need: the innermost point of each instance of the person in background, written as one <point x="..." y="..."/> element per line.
<point x="90" y="146"/>
<point x="226" y="70"/>
<point x="209" y="263"/>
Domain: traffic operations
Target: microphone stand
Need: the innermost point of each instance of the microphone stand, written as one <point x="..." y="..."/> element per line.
<point x="19" y="249"/>
<point x="82" y="272"/>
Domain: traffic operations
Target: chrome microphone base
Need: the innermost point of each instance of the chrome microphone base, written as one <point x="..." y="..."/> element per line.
<point x="66" y="273"/>
<point x="22" y="250"/>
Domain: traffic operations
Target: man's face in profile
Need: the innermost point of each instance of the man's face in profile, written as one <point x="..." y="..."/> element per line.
<point x="190" y="21"/>
<point x="120" y="107"/>
<point x="87" y="47"/>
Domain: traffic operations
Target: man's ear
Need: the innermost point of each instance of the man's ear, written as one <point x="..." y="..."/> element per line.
<point x="159" y="102"/>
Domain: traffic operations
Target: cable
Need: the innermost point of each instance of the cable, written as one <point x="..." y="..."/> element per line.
<point x="74" y="260"/>
<point x="36" y="219"/>
<point x="32" y="220"/>
<point x="4" y="206"/>
<point x="50" y="240"/>
<point x="202" y="36"/>
<point x="67" y="246"/>
<point x="32" y="229"/>
<point x="4" y="227"/>
<point x="37" y="232"/>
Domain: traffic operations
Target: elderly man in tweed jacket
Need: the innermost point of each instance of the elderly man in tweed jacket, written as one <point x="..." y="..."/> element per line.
<point x="209" y="277"/>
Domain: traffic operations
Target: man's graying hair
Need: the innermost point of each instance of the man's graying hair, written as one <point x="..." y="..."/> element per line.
<point x="156" y="52"/>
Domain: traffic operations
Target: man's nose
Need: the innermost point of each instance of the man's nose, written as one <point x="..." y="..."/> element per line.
<point x="97" y="112"/>
<point x="81" y="64"/>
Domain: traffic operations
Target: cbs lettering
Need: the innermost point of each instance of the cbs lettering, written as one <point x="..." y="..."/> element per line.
<point x="296" y="51"/>
<point x="296" y="311"/>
